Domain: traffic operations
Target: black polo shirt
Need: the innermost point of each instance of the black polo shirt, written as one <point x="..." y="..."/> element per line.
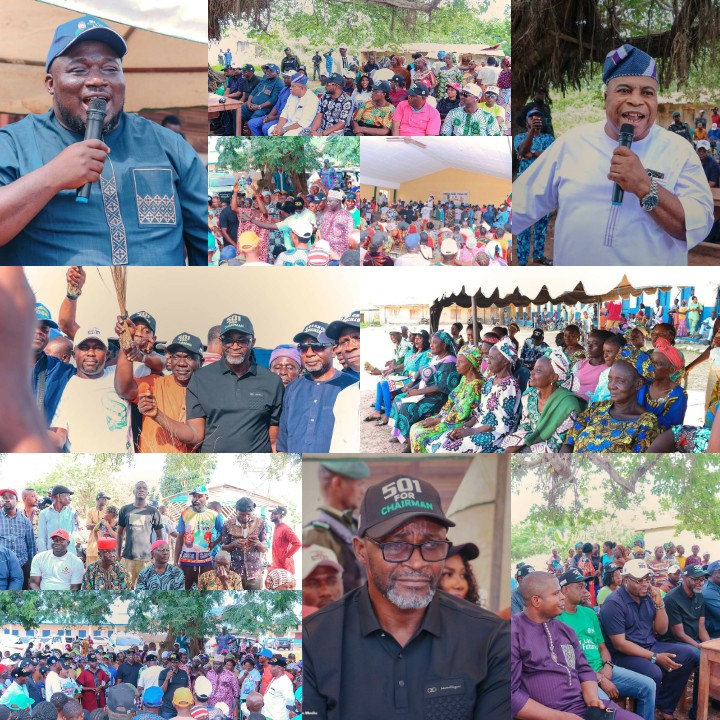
<point x="684" y="610"/>
<point x="457" y="665"/>
<point x="238" y="411"/>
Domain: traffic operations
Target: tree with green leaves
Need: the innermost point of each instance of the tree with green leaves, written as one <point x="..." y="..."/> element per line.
<point x="185" y="471"/>
<point x="32" y="608"/>
<point x="298" y="156"/>
<point x="362" y="24"/>
<point x="687" y="485"/>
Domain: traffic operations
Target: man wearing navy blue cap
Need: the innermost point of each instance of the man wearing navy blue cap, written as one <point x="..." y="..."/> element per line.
<point x="307" y="420"/>
<point x="262" y="98"/>
<point x="667" y="208"/>
<point x="711" y="593"/>
<point x="334" y="111"/>
<point x="299" y="110"/>
<point x="148" y="206"/>
<point x="263" y="125"/>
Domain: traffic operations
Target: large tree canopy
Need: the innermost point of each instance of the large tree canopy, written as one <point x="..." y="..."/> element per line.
<point x="366" y="24"/>
<point x="297" y="155"/>
<point x="200" y="614"/>
<point x="562" y="43"/>
<point x="687" y="485"/>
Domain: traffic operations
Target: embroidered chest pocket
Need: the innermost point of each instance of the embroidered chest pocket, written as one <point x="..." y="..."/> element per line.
<point x="155" y="196"/>
<point x="445" y="699"/>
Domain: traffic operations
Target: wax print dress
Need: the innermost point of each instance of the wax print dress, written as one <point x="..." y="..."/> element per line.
<point x="412" y="362"/>
<point x="597" y="431"/>
<point x="669" y="410"/>
<point x="529" y="422"/>
<point x="690" y="439"/>
<point x="441" y="374"/>
<point x="499" y="408"/>
<point x="444" y="76"/>
<point x="458" y="408"/>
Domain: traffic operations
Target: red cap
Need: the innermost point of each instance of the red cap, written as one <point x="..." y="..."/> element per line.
<point x="158" y="543"/>
<point x="61" y="533"/>
<point x="10" y="490"/>
<point x="106" y="543"/>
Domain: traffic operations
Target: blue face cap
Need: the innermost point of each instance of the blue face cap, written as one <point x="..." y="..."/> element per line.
<point x="83" y="29"/>
<point x="43" y="315"/>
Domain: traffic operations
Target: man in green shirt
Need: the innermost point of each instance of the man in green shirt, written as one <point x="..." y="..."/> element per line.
<point x="613" y="681"/>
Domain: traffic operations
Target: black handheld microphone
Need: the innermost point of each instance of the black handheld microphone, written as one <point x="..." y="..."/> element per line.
<point x="627" y="132"/>
<point x="93" y="131"/>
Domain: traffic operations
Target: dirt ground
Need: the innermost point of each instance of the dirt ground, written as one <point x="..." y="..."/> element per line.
<point x="377" y="349"/>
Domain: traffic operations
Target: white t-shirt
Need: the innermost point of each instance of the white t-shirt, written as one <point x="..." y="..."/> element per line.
<point x="277" y="696"/>
<point x="52" y="683"/>
<point x="571" y="176"/>
<point x="410" y="259"/>
<point x="149" y="676"/>
<point x="95" y="417"/>
<point x="57" y="573"/>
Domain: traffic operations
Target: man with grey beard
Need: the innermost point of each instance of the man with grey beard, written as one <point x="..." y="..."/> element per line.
<point x="233" y="405"/>
<point x="146" y="205"/>
<point x="424" y="653"/>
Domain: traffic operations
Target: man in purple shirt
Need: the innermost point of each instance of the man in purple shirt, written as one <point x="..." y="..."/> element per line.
<point x="630" y="618"/>
<point x="548" y="669"/>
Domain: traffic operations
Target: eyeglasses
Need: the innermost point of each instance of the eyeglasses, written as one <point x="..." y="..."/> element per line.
<point x="642" y="581"/>
<point x="315" y="347"/>
<point x="398" y="552"/>
<point x="242" y="340"/>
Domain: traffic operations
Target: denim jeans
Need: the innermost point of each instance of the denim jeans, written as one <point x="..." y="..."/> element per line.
<point x="639" y="687"/>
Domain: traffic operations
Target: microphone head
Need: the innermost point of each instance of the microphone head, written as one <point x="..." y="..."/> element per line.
<point x="627" y="129"/>
<point x="98" y="104"/>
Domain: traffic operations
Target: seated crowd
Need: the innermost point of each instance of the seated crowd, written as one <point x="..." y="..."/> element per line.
<point x="441" y="394"/>
<point x="176" y="396"/>
<point x="82" y="680"/>
<point x="397" y="99"/>
<point x="47" y="546"/>
<point x="434" y="233"/>
<point x="601" y="626"/>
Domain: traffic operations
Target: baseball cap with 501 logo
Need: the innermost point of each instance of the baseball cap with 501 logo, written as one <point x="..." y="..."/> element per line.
<point x="389" y="504"/>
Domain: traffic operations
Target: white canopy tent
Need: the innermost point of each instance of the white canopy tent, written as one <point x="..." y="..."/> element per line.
<point x="390" y="161"/>
<point x="165" y="66"/>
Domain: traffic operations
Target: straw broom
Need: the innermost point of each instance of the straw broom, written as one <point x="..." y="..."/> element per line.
<point x="119" y="276"/>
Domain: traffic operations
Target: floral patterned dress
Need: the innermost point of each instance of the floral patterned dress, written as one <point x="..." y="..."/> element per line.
<point x="597" y="431"/>
<point x="249" y="226"/>
<point x="369" y="115"/>
<point x="442" y="374"/>
<point x="499" y="408"/>
<point x="447" y="75"/>
<point x="458" y="408"/>
<point x="528" y="423"/>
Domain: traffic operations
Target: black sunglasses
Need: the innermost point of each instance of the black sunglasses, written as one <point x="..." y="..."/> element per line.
<point x="315" y="347"/>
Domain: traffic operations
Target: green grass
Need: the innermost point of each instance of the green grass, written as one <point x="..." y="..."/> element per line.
<point x="577" y="107"/>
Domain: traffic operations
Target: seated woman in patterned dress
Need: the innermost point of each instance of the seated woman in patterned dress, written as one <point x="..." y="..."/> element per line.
<point x="497" y="413"/>
<point x="437" y="381"/>
<point x="620" y="424"/>
<point x="400" y="374"/>
<point x="550" y="409"/>
<point x="689" y="438"/>
<point x="459" y="406"/>
<point x="664" y="398"/>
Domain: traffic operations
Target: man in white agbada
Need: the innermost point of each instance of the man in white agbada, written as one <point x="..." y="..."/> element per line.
<point x="668" y="206"/>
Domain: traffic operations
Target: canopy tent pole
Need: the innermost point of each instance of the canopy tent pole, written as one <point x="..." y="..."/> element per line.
<point x="475" y="321"/>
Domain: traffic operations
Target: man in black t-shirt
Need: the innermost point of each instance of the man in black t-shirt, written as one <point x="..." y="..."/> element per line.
<point x="229" y="228"/>
<point x="129" y="671"/>
<point x="136" y="524"/>
<point x="170" y="680"/>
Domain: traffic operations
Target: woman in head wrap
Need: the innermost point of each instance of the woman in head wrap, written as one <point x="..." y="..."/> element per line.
<point x="449" y="73"/>
<point x="498" y="410"/>
<point x="616" y="425"/>
<point x="429" y="394"/>
<point x="549" y="408"/>
<point x="285" y="363"/>
<point x="664" y="398"/>
<point x="586" y="372"/>
<point x="459" y="406"/>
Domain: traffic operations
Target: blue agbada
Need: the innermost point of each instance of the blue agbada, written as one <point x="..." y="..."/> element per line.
<point x="147" y="209"/>
<point x="307" y="420"/>
<point x="57" y="374"/>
